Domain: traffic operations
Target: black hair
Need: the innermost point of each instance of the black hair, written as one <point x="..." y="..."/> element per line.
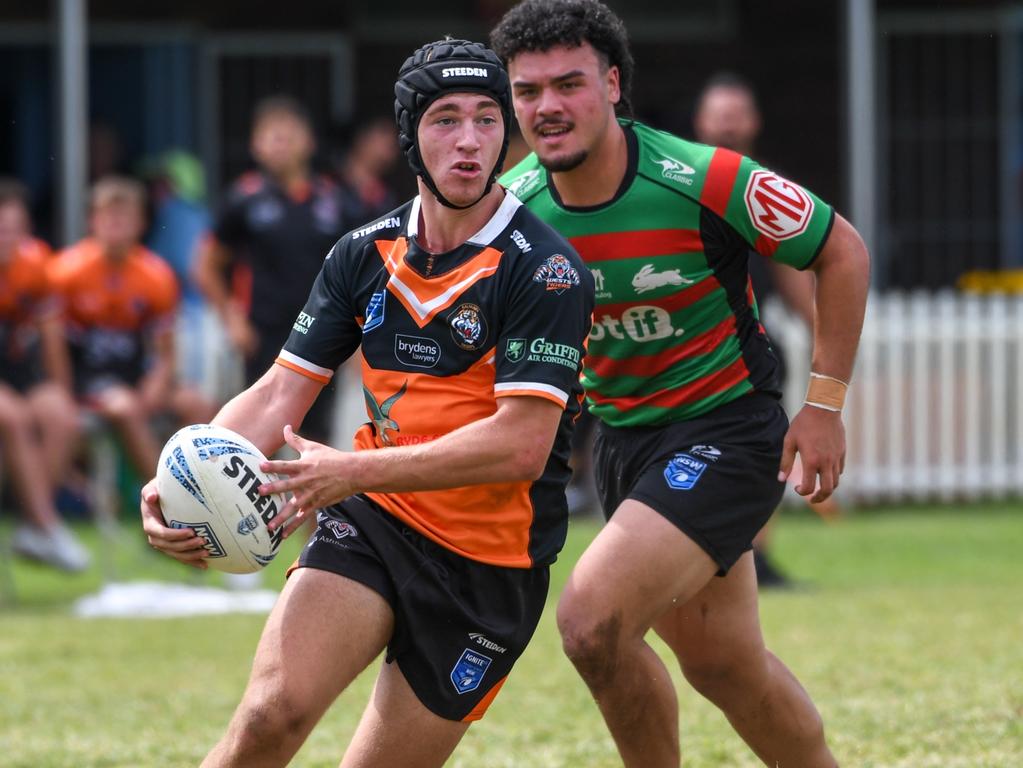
<point x="539" y="25"/>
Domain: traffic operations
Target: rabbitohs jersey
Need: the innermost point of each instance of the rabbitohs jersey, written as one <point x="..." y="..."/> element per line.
<point x="676" y="332"/>
<point x="443" y="337"/>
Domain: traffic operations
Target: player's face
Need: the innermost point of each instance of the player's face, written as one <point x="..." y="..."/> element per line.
<point x="13" y="229"/>
<point x="728" y="118"/>
<point x="282" y="143"/>
<point x="564" y="101"/>
<point x="117" y="225"/>
<point x="460" y="136"/>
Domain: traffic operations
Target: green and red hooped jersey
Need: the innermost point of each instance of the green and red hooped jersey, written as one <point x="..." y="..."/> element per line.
<point x="676" y="331"/>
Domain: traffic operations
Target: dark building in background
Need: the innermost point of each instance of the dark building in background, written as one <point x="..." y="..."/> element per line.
<point x="186" y="74"/>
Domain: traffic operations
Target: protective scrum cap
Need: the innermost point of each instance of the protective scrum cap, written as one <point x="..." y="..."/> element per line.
<point x="447" y="66"/>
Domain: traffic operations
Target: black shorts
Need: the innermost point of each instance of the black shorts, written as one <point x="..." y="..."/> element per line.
<point x="715" y="477"/>
<point x="459" y="625"/>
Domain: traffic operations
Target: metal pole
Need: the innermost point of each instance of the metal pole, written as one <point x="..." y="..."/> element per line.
<point x="72" y="133"/>
<point x="861" y="32"/>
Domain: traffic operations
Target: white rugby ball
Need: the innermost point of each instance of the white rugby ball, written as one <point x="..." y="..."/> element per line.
<point x="208" y="480"/>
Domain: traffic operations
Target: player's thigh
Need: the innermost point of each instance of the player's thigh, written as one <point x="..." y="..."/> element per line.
<point x="398" y="729"/>
<point x="323" y="631"/>
<point x="717" y="629"/>
<point x="636" y="568"/>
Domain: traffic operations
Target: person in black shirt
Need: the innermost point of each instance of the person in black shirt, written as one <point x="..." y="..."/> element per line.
<point x="271" y="235"/>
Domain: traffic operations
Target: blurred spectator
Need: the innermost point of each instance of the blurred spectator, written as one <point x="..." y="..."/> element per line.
<point x="727" y="116"/>
<point x="369" y="159"/>
<point x="38" y="419"/>
<point x="177" y="186"/>
<point x="119" y="300"/>
<point x="277" y="226"/>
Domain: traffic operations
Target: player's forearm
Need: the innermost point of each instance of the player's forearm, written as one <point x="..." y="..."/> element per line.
<point x="502" y="448"/>
<point x="260" y="412"/>
<point x="208" y="274"/>
<point x="843" y="279"/>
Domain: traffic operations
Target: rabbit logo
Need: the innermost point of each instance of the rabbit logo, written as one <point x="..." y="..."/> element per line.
<point x="647" y="279"/>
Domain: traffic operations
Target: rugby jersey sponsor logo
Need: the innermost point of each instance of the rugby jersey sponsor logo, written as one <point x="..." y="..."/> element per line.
<point x="675" y="170"/>
<point x="389" y="223"/>
<point x="777" y="208"/>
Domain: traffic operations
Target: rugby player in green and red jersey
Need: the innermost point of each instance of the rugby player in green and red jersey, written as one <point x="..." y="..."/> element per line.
<point x="693" y="445"/>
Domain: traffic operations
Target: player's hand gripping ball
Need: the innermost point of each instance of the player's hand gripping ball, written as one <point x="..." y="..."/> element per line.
<point x="208" y="479"/>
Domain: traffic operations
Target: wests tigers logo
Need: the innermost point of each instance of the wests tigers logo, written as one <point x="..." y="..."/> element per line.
<point x="468" y="327"/>
<point x="558" y="273"/>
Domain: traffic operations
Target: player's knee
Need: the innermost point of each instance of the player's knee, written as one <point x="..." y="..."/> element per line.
<point x="271" y="717"/>
<point x="14" y="417"/>
<point x="592" y="643"/>
<point x="122" y="406"/>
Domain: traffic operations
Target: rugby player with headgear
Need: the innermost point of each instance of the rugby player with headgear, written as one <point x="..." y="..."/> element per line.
<point x="434" y="537"/>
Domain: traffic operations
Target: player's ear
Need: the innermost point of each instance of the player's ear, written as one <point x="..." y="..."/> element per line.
<point x="614" y="85"/>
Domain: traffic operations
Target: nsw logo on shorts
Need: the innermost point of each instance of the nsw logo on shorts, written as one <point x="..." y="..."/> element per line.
<point x="683" y="471"/>
<point x="468" y="672"/>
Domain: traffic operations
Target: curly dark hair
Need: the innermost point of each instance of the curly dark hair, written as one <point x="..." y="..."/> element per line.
<point x="539" y="25"/>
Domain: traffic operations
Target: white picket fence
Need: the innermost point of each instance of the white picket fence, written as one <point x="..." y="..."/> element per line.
<point x="935" y="410"/>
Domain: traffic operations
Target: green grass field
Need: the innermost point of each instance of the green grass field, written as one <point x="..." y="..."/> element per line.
<point x="909" y="636"/>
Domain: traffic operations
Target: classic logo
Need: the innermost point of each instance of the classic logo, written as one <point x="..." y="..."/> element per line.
<point x="247" y="525"/>
<point x="514" y="350"/>
<point x="524" y="183"/>
<point x="374" y="311"/>
<point x="468" y="671"/>
<point x="379" y="413"/>
<point x="558" y="273"/>
<point x="340" y="528"/>
<point x="304" y="323"/>
<point x="676" y="170"/>
<point x="648" y="280"/>
<point x="416" y="351"/>
<point x="204" y="532"/>
<point x="641" y="323"/>
<point x="468" y="327"/>
<point x="777" y="208"/>
<point x="543" y="351"/>
<point x="683" y="471"/>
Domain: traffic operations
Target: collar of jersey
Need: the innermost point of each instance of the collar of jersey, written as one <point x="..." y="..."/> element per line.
<point x="496" y="225"/>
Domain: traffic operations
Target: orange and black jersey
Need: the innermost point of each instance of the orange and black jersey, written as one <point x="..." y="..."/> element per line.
<point x="443" y="336"/>
<point x="25" y="298"/>
<point x="112" y="308"/>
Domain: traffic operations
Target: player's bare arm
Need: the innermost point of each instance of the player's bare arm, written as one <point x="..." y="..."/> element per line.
<point x="817" y="434"/>
<point x="211" y="264"/>
<point x="511" y="445"/>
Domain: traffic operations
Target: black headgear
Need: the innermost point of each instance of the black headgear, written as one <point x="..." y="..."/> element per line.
<point x="447" y="66"/>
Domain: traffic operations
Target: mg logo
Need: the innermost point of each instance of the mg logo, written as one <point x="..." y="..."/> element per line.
<point x="778" y="208"/>
<point x="640" y="323"/>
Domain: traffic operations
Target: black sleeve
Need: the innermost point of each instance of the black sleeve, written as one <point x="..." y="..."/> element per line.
<point x="326" y="333"/>
<point x="542" y="341"/>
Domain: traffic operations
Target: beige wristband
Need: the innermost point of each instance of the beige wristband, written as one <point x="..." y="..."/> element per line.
<point x="826" y="392"/>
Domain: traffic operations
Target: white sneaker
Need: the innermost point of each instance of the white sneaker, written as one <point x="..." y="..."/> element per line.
<point x="57" y="547"/>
